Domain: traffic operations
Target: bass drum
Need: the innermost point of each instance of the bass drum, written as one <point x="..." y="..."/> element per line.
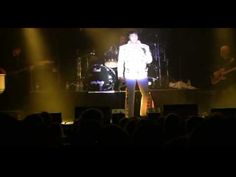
<point x="100" y="78"/>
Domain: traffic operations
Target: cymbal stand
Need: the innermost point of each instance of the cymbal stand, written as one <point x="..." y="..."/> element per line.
<point x="79" y="80"/>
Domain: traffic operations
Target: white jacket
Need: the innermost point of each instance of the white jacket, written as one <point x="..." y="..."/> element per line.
<point x="133" y="60"/>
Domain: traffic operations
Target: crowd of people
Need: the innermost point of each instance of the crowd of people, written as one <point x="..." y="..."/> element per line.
<point x="91" y="130"/>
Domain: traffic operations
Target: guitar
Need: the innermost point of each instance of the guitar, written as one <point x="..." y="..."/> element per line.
<point x="31" y="67"/>
<point x="220" y="75"/>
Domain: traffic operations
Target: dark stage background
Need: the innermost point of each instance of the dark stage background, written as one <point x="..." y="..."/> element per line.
<point x="190" y="52"/>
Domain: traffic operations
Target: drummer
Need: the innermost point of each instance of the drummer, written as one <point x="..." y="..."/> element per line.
<point x="93" y="58"/>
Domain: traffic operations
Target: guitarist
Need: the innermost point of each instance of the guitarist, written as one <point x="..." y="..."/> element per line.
<point x="17" y="85"/>
<point x="224" y="72"/>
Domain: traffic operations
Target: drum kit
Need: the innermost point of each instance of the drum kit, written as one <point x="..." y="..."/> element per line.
<point x="92" y="75"/>
<point x="102" y="76"/>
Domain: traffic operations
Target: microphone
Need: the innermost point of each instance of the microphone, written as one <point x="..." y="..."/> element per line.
<point x="143" y="48"/>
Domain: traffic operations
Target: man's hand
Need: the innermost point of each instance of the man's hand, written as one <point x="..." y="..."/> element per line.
<point x="121" y="79"/>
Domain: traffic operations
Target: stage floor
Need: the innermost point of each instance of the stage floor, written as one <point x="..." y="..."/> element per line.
<point x="66" y="101"/>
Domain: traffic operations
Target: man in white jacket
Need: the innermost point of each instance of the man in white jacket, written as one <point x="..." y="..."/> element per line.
<point x="132" y="67"/>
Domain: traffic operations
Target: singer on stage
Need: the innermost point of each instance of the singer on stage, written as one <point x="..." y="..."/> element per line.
<point x="133" y="58"/>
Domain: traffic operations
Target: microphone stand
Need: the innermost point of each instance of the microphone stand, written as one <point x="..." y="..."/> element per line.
<point x="165" y="59"/>
<point x="157" y="62"/>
